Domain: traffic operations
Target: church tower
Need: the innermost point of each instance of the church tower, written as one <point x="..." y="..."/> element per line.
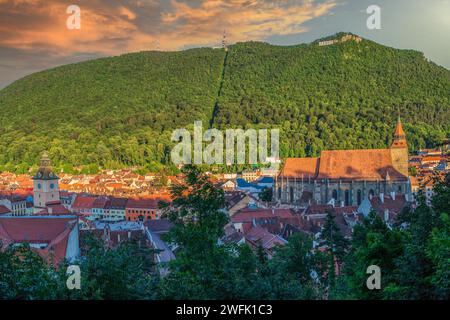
<point x="399" y="150"/>
<point x="45" y="185"/>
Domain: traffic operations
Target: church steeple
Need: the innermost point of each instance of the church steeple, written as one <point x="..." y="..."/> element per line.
<point x="399" y="136"/>
<point x="399" y="150"/>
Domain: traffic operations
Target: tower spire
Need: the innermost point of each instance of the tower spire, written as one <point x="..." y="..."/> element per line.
<point x="45" y="171"/>
<point x="399" y="136"/>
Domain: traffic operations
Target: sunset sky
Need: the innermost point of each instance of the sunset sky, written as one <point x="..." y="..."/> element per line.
<point x="34" y="36"/>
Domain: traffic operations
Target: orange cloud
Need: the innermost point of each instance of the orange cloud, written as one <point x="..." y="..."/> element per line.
<point x="41" y="26"/>
<point x="242" y="19"/>
<point x="112" y="29"/>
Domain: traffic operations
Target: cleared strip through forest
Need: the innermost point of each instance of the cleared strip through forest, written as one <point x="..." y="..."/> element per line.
<point x="216" y="104"/>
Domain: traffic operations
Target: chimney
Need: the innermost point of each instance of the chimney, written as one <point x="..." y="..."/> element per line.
<point x="382" y="197"/>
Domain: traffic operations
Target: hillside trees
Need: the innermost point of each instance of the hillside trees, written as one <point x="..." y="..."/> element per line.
<point x="122" y="110"/>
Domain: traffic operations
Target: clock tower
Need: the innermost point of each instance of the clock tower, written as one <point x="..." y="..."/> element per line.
<point x="45" y="185"/>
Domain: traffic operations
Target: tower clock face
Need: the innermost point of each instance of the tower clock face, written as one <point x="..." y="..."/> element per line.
<point x="39" y="186"/>
<point x="52" y="186"/>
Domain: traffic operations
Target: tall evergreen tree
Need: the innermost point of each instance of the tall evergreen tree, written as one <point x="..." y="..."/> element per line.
<point x="332" y="237"/>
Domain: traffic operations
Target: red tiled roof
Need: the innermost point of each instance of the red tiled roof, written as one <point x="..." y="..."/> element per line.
<point x="247" y="215"/>
<point x="349" y="209"/>
<point x="267" y="240"/>
<point x="159" y="226"/>
<point x="117" y="203"/>
<point x="300" y="167"/>
<point x="100" y="202"/>
<point x="328" y="208"/>
<point x="319" y="209"/>
<point x="114" y="185"/>
<point x="83" y="202"/>
<point x="57" y="209"/>
<point x="431" y="159"/>
<point x="54" y="211"/>
<point x="52" y="231"/>
<point x="142" y="204"/>
<point x="390" y="204"/>
<point x="369" y="164"/>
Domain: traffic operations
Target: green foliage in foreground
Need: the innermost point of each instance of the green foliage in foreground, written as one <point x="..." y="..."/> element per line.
<point x="414" y="258"/>
<point x="121" y="111"/>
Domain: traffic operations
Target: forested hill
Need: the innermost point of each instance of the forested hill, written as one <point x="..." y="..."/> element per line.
<point x="122" y="110"/>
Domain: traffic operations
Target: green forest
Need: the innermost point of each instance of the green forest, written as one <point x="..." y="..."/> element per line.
<point x="120" y="111"/>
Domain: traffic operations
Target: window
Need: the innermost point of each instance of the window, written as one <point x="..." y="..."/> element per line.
<point x="334" y="194"/>
<point x="399" y="188"/>
<point x="359" y="197"/>
<point x="291" y="194"/>
<point x="347" y="198"/>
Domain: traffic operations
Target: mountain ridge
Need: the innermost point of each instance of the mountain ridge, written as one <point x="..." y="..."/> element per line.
<point x="121" y="110"/>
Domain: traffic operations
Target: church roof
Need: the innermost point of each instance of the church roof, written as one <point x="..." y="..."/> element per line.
<point x="368" y="164"/>
<point x="300" y="167"/>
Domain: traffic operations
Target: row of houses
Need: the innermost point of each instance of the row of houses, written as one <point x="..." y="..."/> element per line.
<point x="115" y="209"/>
<point x="106" y="208"/>
<point x="427" y="162"/>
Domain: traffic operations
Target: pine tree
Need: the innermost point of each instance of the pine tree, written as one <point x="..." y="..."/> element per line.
<point x="332" y="237"/>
